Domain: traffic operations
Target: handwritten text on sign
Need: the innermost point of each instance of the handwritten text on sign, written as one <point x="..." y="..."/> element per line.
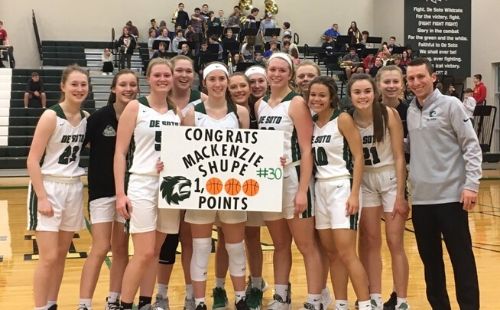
<point x="221" y="169"/>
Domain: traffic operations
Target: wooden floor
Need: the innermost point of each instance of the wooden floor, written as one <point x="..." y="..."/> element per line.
<point x="16" y="272"/>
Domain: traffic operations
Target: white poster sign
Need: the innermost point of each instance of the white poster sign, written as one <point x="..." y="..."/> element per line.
<point x="221" y="169"/>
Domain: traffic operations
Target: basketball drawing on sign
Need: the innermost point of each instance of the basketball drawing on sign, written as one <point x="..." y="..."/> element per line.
<point x="175" y="189"/>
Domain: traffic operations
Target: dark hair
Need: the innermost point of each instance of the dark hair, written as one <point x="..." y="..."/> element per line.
<point x="478" y="76"/>
<point x="254" y="10"/>
<point x="468" y="91"/>
<point x="379" y="111"/>
<point x="286" y="24"/>
<point x="332" y="89"/>
<point x="112" y="95"/>
<point x="365" y="32"/>
<point x="152" y="20"/>
<point x="67" y="71"/>
<point x="421" y="61"/>
<point x="392" y="37"/>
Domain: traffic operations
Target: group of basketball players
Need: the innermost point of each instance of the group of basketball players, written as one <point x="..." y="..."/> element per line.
<point x="336" y="163"/>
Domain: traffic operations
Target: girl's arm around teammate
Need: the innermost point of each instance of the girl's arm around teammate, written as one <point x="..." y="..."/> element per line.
<point x="125" y="131"/>
<point x="395" y="127"/>
<point x="351" y="133"/>
<point x="302" y="121"/>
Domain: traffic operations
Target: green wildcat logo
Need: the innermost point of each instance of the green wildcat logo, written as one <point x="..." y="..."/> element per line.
<point x="175" y="189"/>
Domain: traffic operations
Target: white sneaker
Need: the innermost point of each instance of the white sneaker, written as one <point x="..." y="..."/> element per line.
<point x="326" y="299"/>
<point x="278" y="304"/>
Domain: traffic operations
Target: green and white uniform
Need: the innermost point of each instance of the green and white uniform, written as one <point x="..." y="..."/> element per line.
<point x="333" y="166"/>
<point x="278" y="118"/>
<point x="61" y="177"/>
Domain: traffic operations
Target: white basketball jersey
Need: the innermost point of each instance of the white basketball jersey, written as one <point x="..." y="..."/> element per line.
<point x="62" y="154"/>
<point x="332" y="157"/>
<point x="277" y="118"/>
<point x="147" y="137"/>
<point x="230" y="120"/>
<point x="376" y="154"/>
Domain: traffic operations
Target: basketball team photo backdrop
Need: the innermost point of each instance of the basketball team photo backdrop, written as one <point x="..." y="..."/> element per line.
<point x="221" y="169"/>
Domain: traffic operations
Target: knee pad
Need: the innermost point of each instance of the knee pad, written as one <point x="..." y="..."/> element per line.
<point x="199" y="260"/>
<point x="237" y="259"/>
<point x="168" y="249"/>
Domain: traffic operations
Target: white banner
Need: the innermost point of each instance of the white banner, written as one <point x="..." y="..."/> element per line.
<point x="221" y="169"/>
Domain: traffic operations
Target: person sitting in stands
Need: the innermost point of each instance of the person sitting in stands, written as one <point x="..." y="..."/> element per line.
<point x="469" y="102"/>
<point x="179" y="37"/>
<point x="164" y="37"/>
<point x="273" y="47"/>
<point x="213" y="40"/>
<point x="34" y="90"/>
<point x="328" y="47"/>
<point x="228" y="40"/>
<point x="185" y="50"/>
<point x="351" y="62"/>
<point x="286" y="30"/>
<point x="267" y="23"/>
<point x="259" y="58"/>
<point x="161" y="52"/>
<point x="332" y="32"/>
<point x="376" y="66"/>
<point x="107" y="62"/>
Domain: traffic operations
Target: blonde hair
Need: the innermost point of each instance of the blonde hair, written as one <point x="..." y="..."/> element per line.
<point x="157" y="61"/>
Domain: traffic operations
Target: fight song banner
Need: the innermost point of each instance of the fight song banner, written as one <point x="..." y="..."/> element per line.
<point x="221" y="169"/>
<point x="440" y="30"/>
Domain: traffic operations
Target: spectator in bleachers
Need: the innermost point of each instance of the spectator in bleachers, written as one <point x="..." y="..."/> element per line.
<point x="4" y="40"/>
<point x="288" y="38"/>
<point x="248" y="48"/>
<point x="34" y="90"/>
<point x="294" y="53"/>
<point x="452" y="91"/>
<point x="273" y="48"/>
<point x="185" y="50"/>
<point x="469" y="102"/>
<point x="354" y="33"/>
<point x="234" y="18"/>
<point x="259" y="58"/>
<point x="151" y="39"/>
<point x="213" y="21"/>
<point x="365" y="34"/>
<point x="267" y="23"/>
<point x="479" y="89"/>
<point x="132" y="29"/>
<point x="161" y="52"/>
<point x="182" y="19"/>
<point x="405" y="59"/>
<point x="351" y="62"/>
<point x="410" y="53"/>
<point x="154" y="27"/>
<point x="126" y="44"/>
<point x="222" y="18"/>
<point x="163" y="25"/>
<point x="286" y="30"/>
<point x="228" y="40"/>
<point x="179" y="37"/>
<point x="376" y="66"/>
<point x="197" y="21"/>
<point x="165" y="38"/>
<point x="328" y="47"/>
<point x="107" y="62"/>
<point x="205" y="12"/>
<point x="251" y="22"/>
<point x="392" y="44"/>
<point x="213" y="40"/>
<point x="332" y="32"/>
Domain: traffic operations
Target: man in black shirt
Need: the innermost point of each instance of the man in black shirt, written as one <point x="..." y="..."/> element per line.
<point x="182" y="19"/>
<point x="34" y="90"/>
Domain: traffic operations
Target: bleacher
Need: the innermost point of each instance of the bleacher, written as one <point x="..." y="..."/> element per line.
<point x="19" y="123"/>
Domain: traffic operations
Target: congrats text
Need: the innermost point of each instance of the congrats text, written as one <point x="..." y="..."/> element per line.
<point x="221" y="169"/>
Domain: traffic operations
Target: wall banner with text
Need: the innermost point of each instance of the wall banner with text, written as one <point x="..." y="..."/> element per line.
<point x="221" y="169"/>
<point x="441" y="31"/>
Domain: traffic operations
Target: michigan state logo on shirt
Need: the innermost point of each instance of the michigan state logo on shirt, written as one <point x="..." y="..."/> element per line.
<point x="175" y="189"/>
